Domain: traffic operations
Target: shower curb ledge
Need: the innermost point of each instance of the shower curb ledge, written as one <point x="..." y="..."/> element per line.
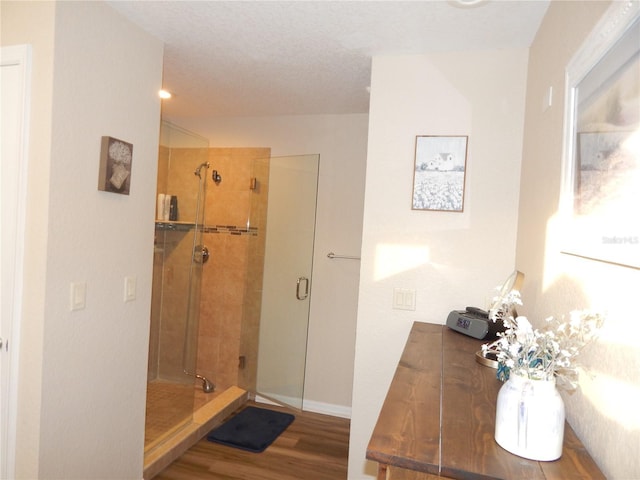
<point x="204" y="420"/>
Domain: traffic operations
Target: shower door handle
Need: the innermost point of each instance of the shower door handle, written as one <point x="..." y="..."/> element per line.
<point x="306" y="288"/>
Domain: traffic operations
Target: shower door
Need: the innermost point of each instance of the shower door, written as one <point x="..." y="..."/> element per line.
<point x="177" y="271"/>
<point x="286" y="288"/>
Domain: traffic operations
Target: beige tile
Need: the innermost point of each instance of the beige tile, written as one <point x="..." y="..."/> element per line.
<point x="209" y="411"/>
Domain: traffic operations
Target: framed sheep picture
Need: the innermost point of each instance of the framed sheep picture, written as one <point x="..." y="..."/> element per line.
<point x="439" y="173"/>
<point x="115" y="166"/>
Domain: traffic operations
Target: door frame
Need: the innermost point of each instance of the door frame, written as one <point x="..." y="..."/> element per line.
<point x="16" y="146"/>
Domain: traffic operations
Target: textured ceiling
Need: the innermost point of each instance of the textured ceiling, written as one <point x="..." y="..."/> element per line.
<point x="257" y="58"/>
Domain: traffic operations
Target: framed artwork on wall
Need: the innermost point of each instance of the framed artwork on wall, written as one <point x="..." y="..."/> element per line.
<point x="439" y="173"/>
<point x="115" y="166"/>
<point x="601" y="186"/>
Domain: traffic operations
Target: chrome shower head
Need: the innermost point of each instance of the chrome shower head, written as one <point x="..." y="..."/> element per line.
<point x="197" y="172"/>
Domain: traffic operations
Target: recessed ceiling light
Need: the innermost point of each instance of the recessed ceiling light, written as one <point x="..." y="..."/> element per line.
<point x="164" y="94"/>
<point x="467" y="3"/>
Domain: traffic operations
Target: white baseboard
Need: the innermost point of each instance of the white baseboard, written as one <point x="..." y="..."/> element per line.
<point x="315" y="407"/>
<point x="327" y="408"/>
<point x="261" y="399"/>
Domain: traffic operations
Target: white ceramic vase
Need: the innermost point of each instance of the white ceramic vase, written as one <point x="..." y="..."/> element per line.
<point x="530" y="418"/>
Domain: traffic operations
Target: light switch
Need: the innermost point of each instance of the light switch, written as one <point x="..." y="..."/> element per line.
<point x="547" y="101"/>
<point x="404" y="299"/>
<point x="77" y="296"/>
<point x="129" y="289"/>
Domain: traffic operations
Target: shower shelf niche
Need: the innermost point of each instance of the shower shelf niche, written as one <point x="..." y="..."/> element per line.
<point x="174" y="225"/>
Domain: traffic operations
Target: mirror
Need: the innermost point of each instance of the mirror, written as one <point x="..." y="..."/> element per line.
<point x="512" y="284"/>
<point x="602" y="142"/>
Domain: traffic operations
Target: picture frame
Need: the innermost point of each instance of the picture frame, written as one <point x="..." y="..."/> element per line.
<point x="439" y="173"/>
<point x="116" y="157"/>
<point x="601" y="165"/>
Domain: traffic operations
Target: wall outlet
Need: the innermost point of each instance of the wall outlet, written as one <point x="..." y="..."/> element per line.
<point x="404" y="299"/>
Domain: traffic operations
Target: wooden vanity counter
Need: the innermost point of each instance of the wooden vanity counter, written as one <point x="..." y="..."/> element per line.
<point x="438" y="419"/>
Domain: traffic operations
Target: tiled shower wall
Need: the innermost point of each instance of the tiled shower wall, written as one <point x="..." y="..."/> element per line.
<point x="235" y="216"/>
<point x="232" y="278"/>
<point x="172" y="257"/>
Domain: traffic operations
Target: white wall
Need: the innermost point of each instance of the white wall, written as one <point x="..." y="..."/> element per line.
<point x="341" y="141"/>
<point x="83" y="382"/>
<point x="451" y="259"/>
<point x="603" y="412"/>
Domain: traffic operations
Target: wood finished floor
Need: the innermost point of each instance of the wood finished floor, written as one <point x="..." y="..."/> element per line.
<point x="313" y="447"/>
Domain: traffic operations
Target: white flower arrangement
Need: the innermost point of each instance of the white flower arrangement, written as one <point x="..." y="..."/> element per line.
<point x="541" y="354"/>
<point x="120" y="153"/>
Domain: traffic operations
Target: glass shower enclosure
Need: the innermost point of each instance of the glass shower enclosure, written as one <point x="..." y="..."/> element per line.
<point x="177" y="270"/>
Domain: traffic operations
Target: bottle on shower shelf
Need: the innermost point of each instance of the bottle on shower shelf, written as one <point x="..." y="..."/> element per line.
<point x="173" y="208"/>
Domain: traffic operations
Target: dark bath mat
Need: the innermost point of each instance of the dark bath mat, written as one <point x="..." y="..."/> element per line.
<point x="253" y="429"/>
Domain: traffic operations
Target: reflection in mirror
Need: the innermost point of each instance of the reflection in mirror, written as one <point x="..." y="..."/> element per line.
<point x="602" y="185"/>
<point x="512" y="285"/>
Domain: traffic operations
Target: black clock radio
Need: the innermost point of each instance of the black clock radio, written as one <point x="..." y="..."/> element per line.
<point x="475" y="323"/>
